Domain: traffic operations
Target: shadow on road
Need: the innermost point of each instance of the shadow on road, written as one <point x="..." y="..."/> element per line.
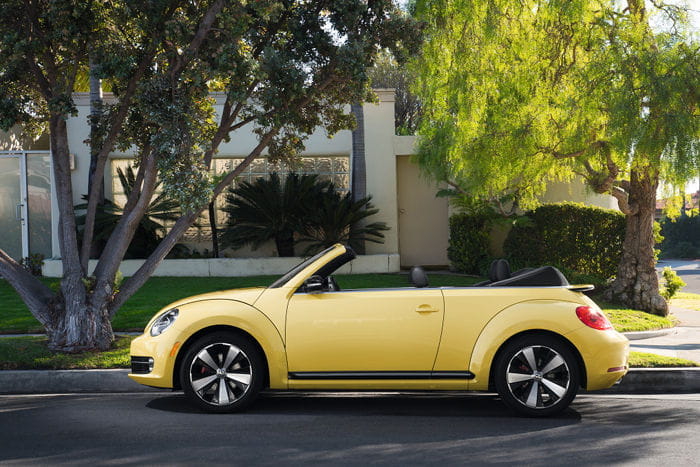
<point x="395" y="405"/>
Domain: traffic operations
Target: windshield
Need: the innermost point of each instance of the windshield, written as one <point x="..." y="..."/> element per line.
<point x="297" y="269"/>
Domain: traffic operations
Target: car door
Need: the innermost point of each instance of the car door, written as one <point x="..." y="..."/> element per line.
<point x="364" y="331"/>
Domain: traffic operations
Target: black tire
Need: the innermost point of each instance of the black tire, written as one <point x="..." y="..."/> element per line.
<point x="544" y="390"/>
<point x="232" y="378"/>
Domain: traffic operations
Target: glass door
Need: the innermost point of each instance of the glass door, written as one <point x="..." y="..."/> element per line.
<point x="12" y="209"/>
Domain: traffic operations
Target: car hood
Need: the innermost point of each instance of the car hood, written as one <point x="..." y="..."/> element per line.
<point x="248" y="295"/>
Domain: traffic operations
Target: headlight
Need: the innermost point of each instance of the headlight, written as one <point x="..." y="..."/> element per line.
<point x="163" y="322"/>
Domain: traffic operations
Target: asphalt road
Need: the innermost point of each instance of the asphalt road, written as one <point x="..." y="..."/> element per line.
<point x="338" y="429"/>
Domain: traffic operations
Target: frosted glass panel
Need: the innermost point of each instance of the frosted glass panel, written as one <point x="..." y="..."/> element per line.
<point x="39" y="203"/>
<point x="10" y="226"/>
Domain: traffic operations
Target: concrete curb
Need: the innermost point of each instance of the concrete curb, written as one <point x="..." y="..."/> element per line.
<point x="68" y="381"/>
<point x="639" y="335"/>
<point x="658" y="380"/>
<point x="637" y="381"/>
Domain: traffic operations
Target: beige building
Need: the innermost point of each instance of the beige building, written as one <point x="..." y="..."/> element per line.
<point x="406" y="200"/>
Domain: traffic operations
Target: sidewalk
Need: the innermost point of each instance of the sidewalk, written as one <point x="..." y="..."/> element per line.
<point x="683" y="341"/>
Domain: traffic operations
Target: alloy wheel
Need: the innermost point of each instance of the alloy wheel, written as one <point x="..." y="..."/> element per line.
<point x="538" y="376"/>
<point x="220" y="374"/>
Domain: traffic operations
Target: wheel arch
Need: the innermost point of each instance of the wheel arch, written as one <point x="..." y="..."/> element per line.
<point x="540" y="332"/>
<point x="182" y="351"/>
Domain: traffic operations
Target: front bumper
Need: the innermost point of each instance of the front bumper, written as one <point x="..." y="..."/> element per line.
<point x="163" y="350"/>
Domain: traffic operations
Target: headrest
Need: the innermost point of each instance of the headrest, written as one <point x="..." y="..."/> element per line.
<point x="499" y="270"/>
<point x="418" y="277"/>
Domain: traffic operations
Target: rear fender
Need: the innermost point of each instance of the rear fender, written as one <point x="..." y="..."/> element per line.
<point x="554" y="316"/>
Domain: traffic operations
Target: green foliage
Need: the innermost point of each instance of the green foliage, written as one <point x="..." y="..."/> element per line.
<point x="300" y="209"/>
<point x="584" y="239"/>
<point x="285" y="69"/>
<point x="387" y="73"/>
<point x="469" y="241"/>
<point x="269" y="209"/>
<point x="334" y="217"/>
<point x="672" y="283"/>
<point x="33" y="263"/>
<point x="681" y="237"/>
<point x="151" y="228"/>
<point x="519" y="93"/>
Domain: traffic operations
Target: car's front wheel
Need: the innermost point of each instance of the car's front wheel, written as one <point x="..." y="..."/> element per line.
<point x="222" y="372"/>
<point x="537" y="375"/>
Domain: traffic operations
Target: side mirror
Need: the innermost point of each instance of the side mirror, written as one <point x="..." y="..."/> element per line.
<point x="314" y="284"/>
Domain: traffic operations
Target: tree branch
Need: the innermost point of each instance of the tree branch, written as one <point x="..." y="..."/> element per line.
<point x="623" y="202"/>
<point x="181" y="225"/>
<point x="32" y="291"/>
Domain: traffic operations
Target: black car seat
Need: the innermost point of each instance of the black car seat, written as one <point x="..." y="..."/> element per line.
<point x="418" y="277"/>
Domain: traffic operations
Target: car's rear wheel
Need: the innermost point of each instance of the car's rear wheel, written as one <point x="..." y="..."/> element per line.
<point x="537" y="375"/>
<point x="222" y="372"/>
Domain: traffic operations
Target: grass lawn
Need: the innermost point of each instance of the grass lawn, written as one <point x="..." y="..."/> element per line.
<point x="159" y="291"/>
<point x="690" y="301"/>
<point x="650" y="360"/>
<point x="31" y="353"/>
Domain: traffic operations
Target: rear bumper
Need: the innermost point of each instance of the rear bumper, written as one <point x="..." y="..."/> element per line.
<point x="605" y="355"/>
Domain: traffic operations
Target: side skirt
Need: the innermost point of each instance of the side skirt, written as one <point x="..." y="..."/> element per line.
<point x="379" y="375"/>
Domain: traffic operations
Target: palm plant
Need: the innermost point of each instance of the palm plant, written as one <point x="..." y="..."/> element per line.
<point x="268" y="209"/>
<point x="149" y="231"/>
<point x="337" y="218"/>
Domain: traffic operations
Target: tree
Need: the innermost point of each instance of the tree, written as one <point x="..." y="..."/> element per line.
<point x="151" y="227"/>
<point x="517" y="94"/>
<point x="286" y="68"/>
<point x="388" y="73"/>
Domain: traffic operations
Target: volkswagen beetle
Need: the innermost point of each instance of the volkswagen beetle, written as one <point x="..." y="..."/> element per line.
<point x="528" y="335"/>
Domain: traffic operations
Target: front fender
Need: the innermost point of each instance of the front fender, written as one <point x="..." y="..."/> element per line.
<point x="549" y="315"/>
<point x="209" y="313"/>
<point x="198" y="316"/>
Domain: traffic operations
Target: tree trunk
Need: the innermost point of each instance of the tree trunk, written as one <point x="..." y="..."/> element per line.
<point x="214" y="230"/>
<point x="637" y="284"/>
<point x="78" y="326"/>
<point x="359" y="165"/>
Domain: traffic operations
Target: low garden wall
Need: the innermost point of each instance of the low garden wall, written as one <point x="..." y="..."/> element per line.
<point x="236" y="267"/>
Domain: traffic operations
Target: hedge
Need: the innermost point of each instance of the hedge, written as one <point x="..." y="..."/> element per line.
<point x="586" y="240"/>
<point x="469" y="242"/>
<point x="681" y="237"/>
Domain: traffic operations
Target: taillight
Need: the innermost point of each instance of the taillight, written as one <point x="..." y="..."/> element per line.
<point x="593" y="318"/>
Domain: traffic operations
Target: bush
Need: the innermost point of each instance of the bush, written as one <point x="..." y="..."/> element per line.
<point x="571" y="236"/>
<point x="672" y="283"/>
<point x="681" y="238"/>
<point x="469" y="242"/>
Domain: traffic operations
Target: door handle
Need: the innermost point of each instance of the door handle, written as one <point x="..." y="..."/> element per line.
<point x="18" y="211"/>
<point x="426" y="309"/>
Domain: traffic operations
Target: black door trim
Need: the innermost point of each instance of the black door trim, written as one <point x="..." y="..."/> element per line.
<point x="381" y="375"/>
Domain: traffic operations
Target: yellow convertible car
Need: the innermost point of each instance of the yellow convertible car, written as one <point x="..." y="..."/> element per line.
<point x="528" y="335"/>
